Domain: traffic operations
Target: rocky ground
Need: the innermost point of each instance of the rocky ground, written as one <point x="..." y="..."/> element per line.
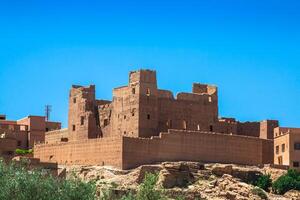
<point x="190" y="180"/>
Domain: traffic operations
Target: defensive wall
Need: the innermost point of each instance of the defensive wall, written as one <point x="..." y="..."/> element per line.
<point x="175" y="145"/>
<point x="99" y="151"/>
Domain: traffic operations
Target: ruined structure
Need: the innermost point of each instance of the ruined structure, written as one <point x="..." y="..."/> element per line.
<point x="144" y="124"/>
<point x="23" y="133"/>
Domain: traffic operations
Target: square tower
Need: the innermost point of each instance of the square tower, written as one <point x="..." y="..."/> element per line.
<point x="83" y="113"/>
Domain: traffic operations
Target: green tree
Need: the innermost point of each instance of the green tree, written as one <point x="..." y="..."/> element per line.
<point x="289" y="181"/>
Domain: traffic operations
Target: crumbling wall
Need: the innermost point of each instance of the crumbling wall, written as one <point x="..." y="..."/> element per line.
<point x="57" y="136"/>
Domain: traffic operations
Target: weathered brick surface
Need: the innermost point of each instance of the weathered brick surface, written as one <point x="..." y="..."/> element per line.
<point x="196" y="146"/>
<point x="100" y="151"/>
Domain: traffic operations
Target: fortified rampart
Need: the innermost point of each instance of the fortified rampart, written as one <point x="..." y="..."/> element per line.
<point x="179" y="145"/>
<point x="99" y="151"/>
<point x="176" y="145"/>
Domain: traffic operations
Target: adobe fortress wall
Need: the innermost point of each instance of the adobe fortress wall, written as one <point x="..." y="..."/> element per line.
<point x="99" y="151"/>
<point x="179" y="145"/>
<point x="176" y="145"/>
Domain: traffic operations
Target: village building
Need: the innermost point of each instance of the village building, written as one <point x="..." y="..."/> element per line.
<point x="287" y="147"/>
<point x="23" y="133"/>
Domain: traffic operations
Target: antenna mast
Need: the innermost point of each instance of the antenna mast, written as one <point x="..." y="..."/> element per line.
<point x="48" y="109"/>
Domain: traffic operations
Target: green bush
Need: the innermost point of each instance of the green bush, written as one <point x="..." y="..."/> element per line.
<point x="264" y="182"/>
<point x="147" y="190"/>
<point x="23" y="151"/>
<point x="17" y="183"/>
<point x="289" y="181"/>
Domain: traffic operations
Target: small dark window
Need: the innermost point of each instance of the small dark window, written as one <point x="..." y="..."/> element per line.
<point x="124" y="116"/>
<point x="73" y="127"/>
<point x="82" y="120"/>
<point x="74" y="100"/>
<point x="295" y="164"/>
<point x="211" y="128"/>
<point x="297" y="146"/>
<point x="133" y="90"/>
<point x="132" y="114"/>
<point x="169" y="123"/>
<point x="105" y="122"/>
<point x="277" y="149"/>
<point x="19" y="143"/>
<point x="283" y="147"/>
<point x="64" y="139"/>
<point x="148" y="116"/>
<point x="124" y="132"/>
<point x="47" y="129"/>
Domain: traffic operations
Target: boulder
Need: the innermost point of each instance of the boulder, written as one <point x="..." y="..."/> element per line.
<point x="245" y="174"/>
<point x="147" y="169"/>
<point x="175" y="175"/>
<point x="220" y="170"/>
<point x="293" y="195"/>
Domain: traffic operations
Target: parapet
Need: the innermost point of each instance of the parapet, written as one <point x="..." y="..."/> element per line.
<point x="83" y="87"/>
<point x="142" y="75"/>
<point x="199" y="88"/>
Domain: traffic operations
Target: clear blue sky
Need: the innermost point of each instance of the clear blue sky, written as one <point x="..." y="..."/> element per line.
<point x="250" y="49"/>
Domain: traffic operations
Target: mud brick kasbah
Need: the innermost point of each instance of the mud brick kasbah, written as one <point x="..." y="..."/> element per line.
<point x="143" y="124"/>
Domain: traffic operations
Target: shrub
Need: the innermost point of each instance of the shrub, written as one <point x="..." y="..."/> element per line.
<point x="289" y="181"/>
<point x="259" y="192"/>
<point x="264" y="182"/>
<point x="17" y="183"/>
<point x="23" y="151"/>
<point x="106" y="192"/>
<point x="147" y="190"/>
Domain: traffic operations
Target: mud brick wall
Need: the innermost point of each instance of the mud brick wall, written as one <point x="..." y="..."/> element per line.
<point x="196" y="146"/>
<point x="56" y="136"/>
<point x="100" y="151"/>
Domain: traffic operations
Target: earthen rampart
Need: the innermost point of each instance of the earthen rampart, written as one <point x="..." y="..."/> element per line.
<point x="179" y="145"/>
<point x="99" y="151"/>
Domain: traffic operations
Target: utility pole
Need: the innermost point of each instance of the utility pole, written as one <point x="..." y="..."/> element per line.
<point x="48" y="109"/>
